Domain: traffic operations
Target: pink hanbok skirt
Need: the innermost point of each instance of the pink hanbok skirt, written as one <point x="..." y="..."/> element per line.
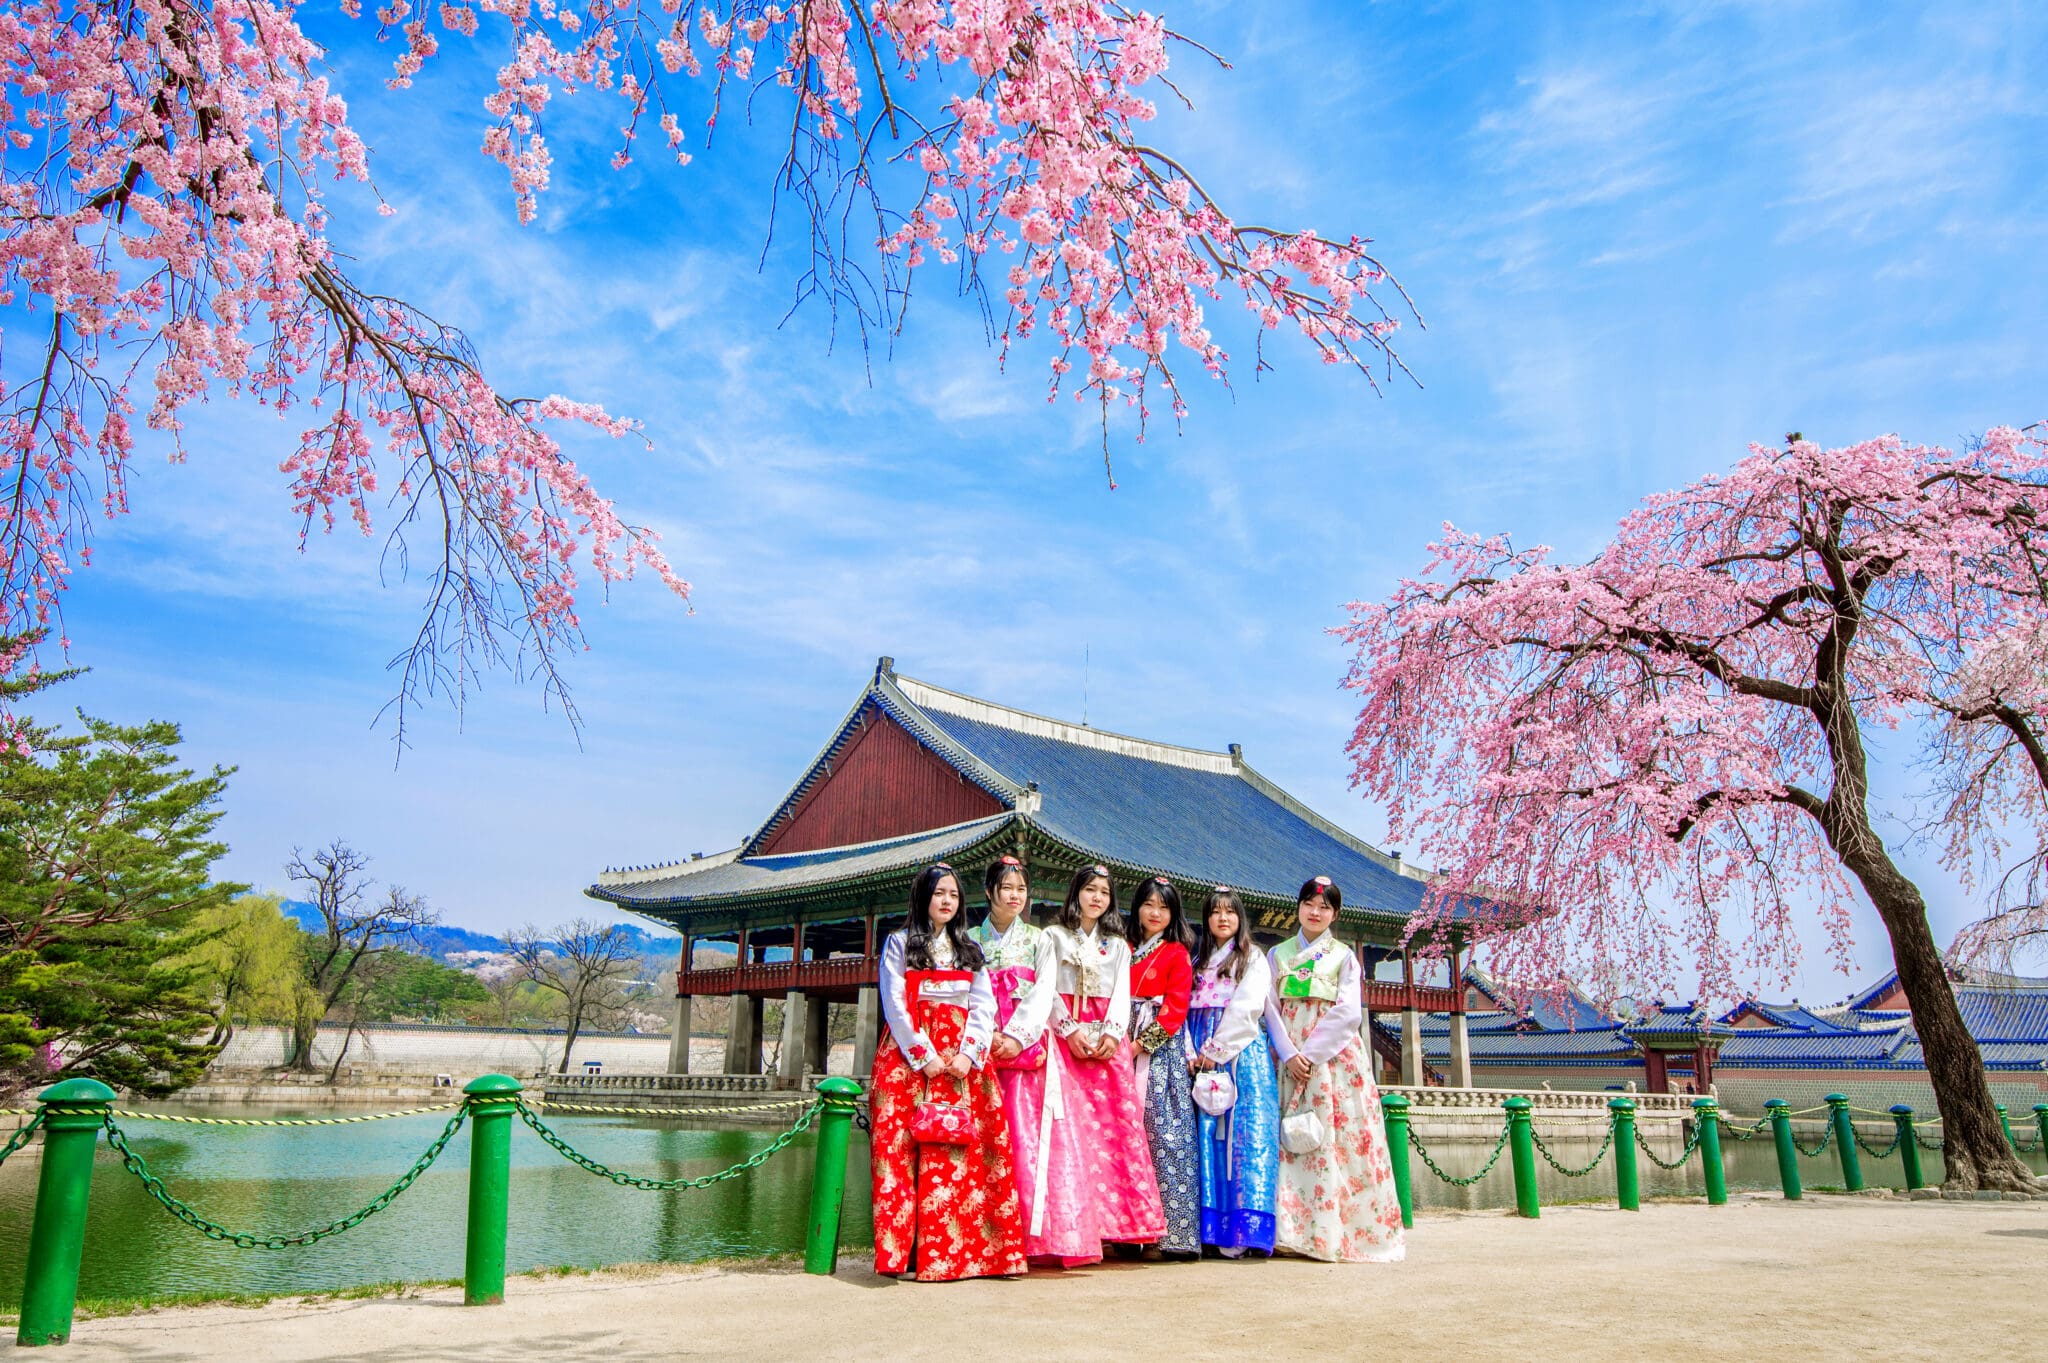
<point x="1083" y="1166"/>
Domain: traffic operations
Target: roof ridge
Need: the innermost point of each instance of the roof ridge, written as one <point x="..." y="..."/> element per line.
<point x="926" y="695"/>
<point x="873" y="844"/>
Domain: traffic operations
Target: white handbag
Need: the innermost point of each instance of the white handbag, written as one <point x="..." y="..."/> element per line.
<point x="1302" y="1133"/>
<point x="1215" y="1092"/>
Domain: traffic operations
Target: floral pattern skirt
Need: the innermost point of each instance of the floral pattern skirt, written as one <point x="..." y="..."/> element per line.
<point x="947" y="1211"/>
<point x="1239" y="1151"/>
<point x="1337" y="1202"/>
<point x="1170" y="1135"/>
<point x="1091" y="1160"/>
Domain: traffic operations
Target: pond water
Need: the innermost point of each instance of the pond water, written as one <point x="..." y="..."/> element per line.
<point x="285" y="1179"/>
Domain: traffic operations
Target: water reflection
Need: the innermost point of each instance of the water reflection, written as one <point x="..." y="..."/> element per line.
<point x="283" y="1179"/>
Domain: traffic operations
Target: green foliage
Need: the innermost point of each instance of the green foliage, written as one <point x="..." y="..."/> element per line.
<point x="249" y="962"/>
<point x="105" y="855"/>
<point x="405" y="987"/>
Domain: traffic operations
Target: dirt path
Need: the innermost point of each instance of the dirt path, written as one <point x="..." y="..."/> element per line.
<point x="1830" y="1278"/>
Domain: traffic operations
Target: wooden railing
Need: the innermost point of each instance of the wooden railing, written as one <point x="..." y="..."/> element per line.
<point x="839" y="972"/>
<point x="1391" y="996"/>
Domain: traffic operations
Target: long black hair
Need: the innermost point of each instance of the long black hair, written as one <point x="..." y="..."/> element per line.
<point x="1241" y="945"/>
<point x="1160" y="888"/>
<point x="1112" y="922"/>
<point x="1324" y="886"/>
<point x="917" y="924"/>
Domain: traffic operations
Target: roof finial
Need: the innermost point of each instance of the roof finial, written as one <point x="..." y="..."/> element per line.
<point x="885" y="667"/>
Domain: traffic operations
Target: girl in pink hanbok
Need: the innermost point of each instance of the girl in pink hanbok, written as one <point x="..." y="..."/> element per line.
<point x="1336" y="1194"/>
<point x="1022" y="966"/>
<point x="1098" y="1183"/>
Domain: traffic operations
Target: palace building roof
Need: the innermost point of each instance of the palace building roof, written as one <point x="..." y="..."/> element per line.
<point x="917" y="773"/>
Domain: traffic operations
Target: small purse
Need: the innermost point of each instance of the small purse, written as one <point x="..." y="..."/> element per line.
<point x="1302" y="1133"/>
<point x="934" y="1123"/>
<point x="1215" y="1092"/>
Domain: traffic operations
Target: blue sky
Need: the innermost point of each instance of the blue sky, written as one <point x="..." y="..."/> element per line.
<point x="1641" y="237"/>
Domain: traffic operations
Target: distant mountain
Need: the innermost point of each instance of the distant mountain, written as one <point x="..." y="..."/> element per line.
<point x="442" y="940"/>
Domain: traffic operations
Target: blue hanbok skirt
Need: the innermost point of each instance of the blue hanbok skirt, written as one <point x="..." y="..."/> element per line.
<point x="1239" y="1151"/>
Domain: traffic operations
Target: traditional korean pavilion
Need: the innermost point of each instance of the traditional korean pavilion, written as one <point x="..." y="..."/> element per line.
<point x="915" y="774"/>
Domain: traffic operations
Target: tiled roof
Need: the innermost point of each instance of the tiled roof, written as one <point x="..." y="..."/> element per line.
<point x="800" y="870"/>
<point x="1998" y="1055"/>
<point x="1786" y="1015"/>
<point x="1180" y="811"/>
<point x="1154" y="808"/>
<point x="2001" y="1014"/>
<point x="1761" y="1048"/>
<point x="1605" y="1046"/>
<point x="1677" y="1019"/>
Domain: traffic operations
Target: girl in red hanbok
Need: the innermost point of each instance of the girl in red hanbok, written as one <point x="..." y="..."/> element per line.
<point x="946" y="1203"/>
<point x="1099" y="1185"/>
<point x="1162" y="977"/>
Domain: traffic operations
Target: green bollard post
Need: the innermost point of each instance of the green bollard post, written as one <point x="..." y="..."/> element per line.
<point x="828" y="1175"/>
<point x="2041" y="1125"/>
<point x="1628" y="1190"/>
<point x="1909" y="1149"/>
<point x="1780" y="1113"/>
<point x="1707" y="1112"/>
<point x="1522" y="1146"/>
<point x="1395" y="1106"/>
<point x="2004" y="1122"/>
<point x="492" y="1099"/>
<point x="73" y="1113"/>
<point x="1845" y="1142"/>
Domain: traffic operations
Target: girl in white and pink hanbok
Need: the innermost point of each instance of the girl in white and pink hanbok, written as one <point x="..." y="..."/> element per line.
<point x="1336" y="1201"/>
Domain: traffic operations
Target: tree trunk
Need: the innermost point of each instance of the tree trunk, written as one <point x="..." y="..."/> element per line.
<point x="1973" y="1141"/>
<point x="569" y="1032"/>
<point x="305" y="1029"/>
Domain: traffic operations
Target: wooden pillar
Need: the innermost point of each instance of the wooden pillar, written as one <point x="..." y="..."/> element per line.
<point x="1703" y="1068"/>
<point x="1656" y="1078"/>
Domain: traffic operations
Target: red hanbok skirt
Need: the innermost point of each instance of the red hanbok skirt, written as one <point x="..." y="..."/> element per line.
<point x="946" y="1211"/>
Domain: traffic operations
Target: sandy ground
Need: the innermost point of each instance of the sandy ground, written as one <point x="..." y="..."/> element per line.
<point x="1830" y="1278"/>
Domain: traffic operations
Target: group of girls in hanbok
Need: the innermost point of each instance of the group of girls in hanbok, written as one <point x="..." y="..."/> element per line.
<point x="1042" y="1093"/>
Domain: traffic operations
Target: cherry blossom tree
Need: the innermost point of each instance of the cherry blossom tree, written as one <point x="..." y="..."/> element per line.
<point x="166" y="238"/>
<point x="1663" y="754"/>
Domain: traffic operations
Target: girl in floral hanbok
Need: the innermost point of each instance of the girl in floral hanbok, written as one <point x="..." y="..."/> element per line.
<point x="1022" y="965"/>
<point x="945" y="1200"/>
<point x="1336" y="1197"/>
<point x="1239" y="1147"/>
<point x="1099" y="1186"/>
<point x="1161" y="977"/>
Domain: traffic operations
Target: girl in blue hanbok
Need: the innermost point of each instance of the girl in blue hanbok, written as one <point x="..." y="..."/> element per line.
<point x="1238" y="1146"/>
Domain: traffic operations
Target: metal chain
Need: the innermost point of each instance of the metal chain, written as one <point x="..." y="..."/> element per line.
<point x="1599" y="1155"/>
<point x="1928" y="1143"/>
<point x="1867" y="1148"/>
<point x="1827" y="1134"/>
<point x="21" y="1137"/>
<point x="1744" y="1133"/>
<point x="665" y="1185"/>
<point x="282" y="1121"/>
<point x="213" y="1230"/>
<point x="2026" y="1147"/>
<point x="860" y="1119"/>
<point x="1484" y="1169"/>
<point x="1691" y="1145"/>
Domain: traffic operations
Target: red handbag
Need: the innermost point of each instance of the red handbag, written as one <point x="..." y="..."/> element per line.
<point x="934" y="1123"/>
